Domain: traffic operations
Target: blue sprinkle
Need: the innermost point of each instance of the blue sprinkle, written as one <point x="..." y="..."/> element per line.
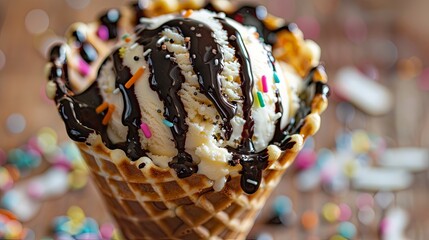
<point x="282" y="205"/>
<point x="276" y="78"/>
<point x="261" y="99"/>
<point x="60" y="223"/>
<point x="347" y="230"/>
<point x="91" y="226"/>
<point x="167" y="123"/>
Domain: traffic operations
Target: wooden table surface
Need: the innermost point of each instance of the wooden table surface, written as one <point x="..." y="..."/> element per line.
<point x="22" y="82"/>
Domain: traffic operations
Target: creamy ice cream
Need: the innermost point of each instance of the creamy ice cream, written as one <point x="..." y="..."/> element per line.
<point x="195" y="91"/>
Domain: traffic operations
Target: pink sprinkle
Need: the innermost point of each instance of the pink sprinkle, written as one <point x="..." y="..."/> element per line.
<point x="84" y="67"/>
<point x="35" y="190"/>
<point x="305" y="159"/>
<point x="146" y="131"/>
<point x="33" y="144"/>
<point x="384" y="226"/>
<point x="107" y="230"/>
<point x="264" y="84"/>
<point x="62" y="162"/>
<point x="103" y="33"/>
<point x="345" y="212"/>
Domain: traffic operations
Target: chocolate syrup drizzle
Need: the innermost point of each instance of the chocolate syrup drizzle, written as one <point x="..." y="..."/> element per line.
<point x="78" y="110"/>
<point x="131" y="116"/>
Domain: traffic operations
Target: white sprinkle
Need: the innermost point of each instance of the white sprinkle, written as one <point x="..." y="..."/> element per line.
<point x="192" y="28"/>
<point x="187" y="39"/>
<point x="147" y="52"/>
<point x="233" y="37"/>
<point x="198" y="34"/>
<point x="221" y="15"/>
<point x="216" y="62"/>
<point x="173" y="59"/>
<point x="167" y="56"/>
<point x="252" y="182"/>
<point x="134" y="45"/>
<point x="16" y="123"/>
<point x="194" y="56"/>
<point x="180" y="22"/>
<point x="214" y="51"/>
<point x="116" y="91"/>
<point x="146" y="20"/>
<point x="161" y="40"/>
<point x="200" y="25"/>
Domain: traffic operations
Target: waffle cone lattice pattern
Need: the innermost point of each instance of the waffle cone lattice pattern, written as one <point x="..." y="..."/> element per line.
<point x="152" y="203"/>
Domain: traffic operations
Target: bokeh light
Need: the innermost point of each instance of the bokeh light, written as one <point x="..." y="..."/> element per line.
<point x="36" y="21"/>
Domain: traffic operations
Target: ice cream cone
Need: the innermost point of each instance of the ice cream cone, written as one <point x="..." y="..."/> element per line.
<point x="153" y="203"/>
<point x="149" y="201"/>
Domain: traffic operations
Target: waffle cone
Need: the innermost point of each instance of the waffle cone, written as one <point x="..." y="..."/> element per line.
<point x="153" y="203"/>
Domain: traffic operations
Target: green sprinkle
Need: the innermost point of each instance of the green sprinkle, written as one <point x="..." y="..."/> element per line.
<point x="276" y="77"/>
<point x="125" y="36"/>
<point x="167" y="123"/>
<point x="261" y="99"/>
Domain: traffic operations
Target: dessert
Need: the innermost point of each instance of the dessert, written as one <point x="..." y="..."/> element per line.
<point x="187" y="118"/>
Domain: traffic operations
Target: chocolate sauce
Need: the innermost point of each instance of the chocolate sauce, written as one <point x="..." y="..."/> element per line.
<point x="247" y="81"/>
<point x="78" y="110"/>
<point x="131" y="116"/>
<point x="253" y="163"/>
<point x="166" y="79"/>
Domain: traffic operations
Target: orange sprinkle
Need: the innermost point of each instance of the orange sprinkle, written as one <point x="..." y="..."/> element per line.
<point x="101" y="108"/>
<point x="309" y="220"/>
<point x="256" y="35"/>
<point x="188" y="13"/>
<point x="109" y="113"/>
<point x="127" y="40"/>
<point x="134" y="78"/>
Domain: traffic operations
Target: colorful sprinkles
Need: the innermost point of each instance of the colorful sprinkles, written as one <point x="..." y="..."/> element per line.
<point x="122" y="52"/>
<point x="264" y="84"/>
<point x="103" y="33"/>
<point x="188" y="13"/>
<point x="147" y="52"/>
<point x="167" y="123"/>
<point x="276" y="77"/>
<point x="134" y="78"/>
<point x="84" y="67"/>
<point x="102" y="107"/>
<point x="261" y="99"/>
<point x="109" y="114"/>
<point x="146" y="130"/>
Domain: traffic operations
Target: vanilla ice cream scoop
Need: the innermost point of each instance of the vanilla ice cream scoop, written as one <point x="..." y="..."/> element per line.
<point x="195" y="91"/>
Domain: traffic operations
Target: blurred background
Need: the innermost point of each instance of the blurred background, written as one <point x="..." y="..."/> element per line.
<point x="363" y="176"/>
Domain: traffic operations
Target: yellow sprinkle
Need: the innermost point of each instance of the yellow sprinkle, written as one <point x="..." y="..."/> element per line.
<point x="188" y="13"/>
<point x="122" y="52"/>
<point x="230" y="78"/>
<point x="135" y="77"/>
<point x="76" y="214"/>
<point x="109" y="114"/>
<point x="102" y="107"/>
